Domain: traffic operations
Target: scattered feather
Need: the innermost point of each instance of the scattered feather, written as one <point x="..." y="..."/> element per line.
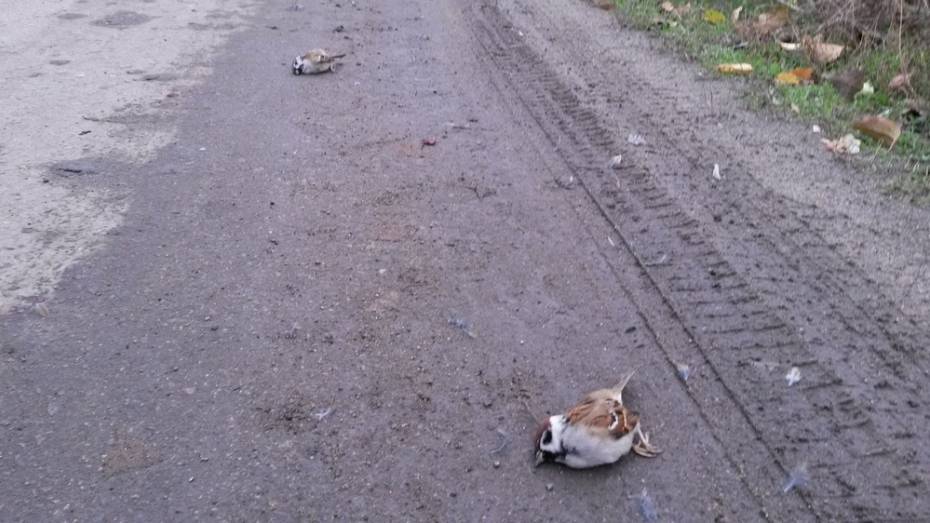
<point x="41" y="309"/>
<point x="717" y="172"/>
<point x="615" y="162"/>
<point x="797" y="478"/>
<point x="647" y="507"/>
<point x="323" y="413"/>
<point x="503" y="442"/>
<point x="684" y="371"/>
<point x="816" y="129"/>
<point x="636" y="139"/>
<point x="793" y="376"/>
<point x="464" y="326"/>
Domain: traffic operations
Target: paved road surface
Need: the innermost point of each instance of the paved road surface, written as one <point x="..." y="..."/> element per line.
<point x="267" y="335"/>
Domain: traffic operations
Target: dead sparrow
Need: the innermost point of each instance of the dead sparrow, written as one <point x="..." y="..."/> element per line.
<point x="597" y="431"/>
<point x="316" y="61"/>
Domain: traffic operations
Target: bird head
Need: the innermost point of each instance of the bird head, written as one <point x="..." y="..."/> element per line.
<point x="548" y="439"/>
<point x="297" y="66"/>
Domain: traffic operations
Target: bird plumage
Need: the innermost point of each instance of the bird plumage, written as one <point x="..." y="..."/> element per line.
<point x="315" y="61"/>
<point x="597" y="431"/>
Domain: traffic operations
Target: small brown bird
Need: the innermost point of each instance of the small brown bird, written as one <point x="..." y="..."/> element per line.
<point x="597" y="431"/>
<point x="315" y="61"/>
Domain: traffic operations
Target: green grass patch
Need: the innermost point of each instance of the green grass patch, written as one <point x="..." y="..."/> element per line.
<point x="711" y="44"/>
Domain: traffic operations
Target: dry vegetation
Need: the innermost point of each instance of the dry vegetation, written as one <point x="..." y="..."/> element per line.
<point x="853" y="62"/>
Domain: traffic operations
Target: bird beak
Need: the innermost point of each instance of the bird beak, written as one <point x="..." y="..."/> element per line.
<point x="539" y="458"/>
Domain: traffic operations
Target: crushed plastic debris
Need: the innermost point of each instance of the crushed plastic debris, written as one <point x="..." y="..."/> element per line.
<point x="636" y="139"/>
<point x="684" y="371"/>
<point x="464" y="326"/>
<point x="797" y="478"/>
<point x="793" y="376"/>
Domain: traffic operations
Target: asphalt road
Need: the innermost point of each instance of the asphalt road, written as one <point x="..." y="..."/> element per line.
<point x="308" y="314"/>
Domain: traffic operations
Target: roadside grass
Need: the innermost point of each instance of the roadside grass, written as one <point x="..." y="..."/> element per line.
<point x="816" y="103"/>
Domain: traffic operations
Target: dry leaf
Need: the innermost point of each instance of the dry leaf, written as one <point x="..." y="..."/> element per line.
<point x="714" y="17"/>
<point x="772" y="21"/>
<point x="848" y="144"/>
<point x="678" y="11"/>
<point x="880" y="128"/>
<point x="848" y="82"/>
<point x="821" y="52"/>
<point x="734" y="68"/>
<point x="787" y="78"/>
<point x="734" y="16"/>
<point x="801" y="75"/>
<point x="790" y="46"/>
<point x="900" y="82"/>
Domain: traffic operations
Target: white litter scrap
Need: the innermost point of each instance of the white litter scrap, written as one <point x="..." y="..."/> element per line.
<point x="848" y="144"/>
<point x="793" y="376"/>
<point x="636" y="139"/>
<point x="717" y="172"/>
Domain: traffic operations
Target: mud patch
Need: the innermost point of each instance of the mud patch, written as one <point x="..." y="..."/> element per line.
<point x="122" y="20"/>
<point x="126" y="454"/>
<point x="295" y="414"/>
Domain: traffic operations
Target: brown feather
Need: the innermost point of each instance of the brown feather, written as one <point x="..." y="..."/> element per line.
<point x="599" y="410"/>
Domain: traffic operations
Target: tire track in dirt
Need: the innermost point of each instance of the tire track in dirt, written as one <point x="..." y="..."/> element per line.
<point x="734" y="322"/>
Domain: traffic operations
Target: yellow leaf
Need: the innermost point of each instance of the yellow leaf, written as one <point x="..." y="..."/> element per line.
<point x="805" y="74"/>
<point x="734" y="68"/>
<point x="714" y="17"/>
<point x="880" y="128"/>
<point x="787" y="78"/>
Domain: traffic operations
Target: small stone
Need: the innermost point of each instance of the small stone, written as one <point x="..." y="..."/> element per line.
<point x="549" y="487"/>
<point x="497" y="464"/>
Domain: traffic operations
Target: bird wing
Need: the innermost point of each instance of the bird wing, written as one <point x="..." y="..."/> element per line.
<point x="321" y="56"/>
<point x="600" y="412"/>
